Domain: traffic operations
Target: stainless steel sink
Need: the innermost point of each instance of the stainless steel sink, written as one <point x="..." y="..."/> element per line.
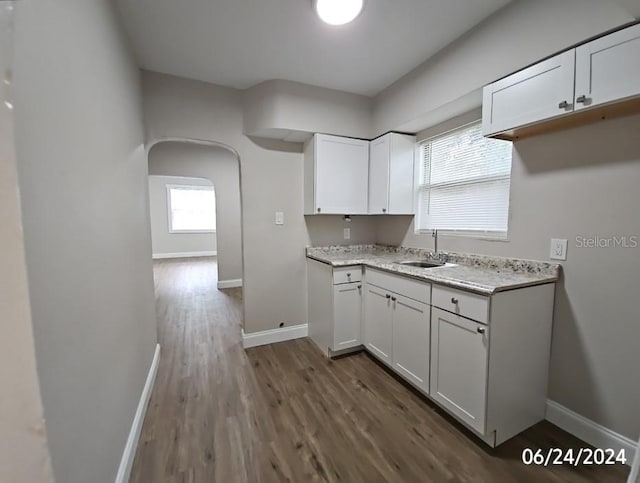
<point x="421" y="263"/>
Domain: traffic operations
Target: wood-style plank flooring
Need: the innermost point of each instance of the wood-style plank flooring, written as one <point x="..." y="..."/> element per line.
<point x="285" y="413"/>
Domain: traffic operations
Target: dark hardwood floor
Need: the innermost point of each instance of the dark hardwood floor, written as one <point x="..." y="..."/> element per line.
<point x="285" y="413"/>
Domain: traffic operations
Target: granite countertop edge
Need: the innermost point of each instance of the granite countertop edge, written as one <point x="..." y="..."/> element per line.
<point x="451" y="276"/>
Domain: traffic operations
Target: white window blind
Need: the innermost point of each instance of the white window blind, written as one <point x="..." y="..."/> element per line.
<point x="192" y="209"/>
<point x="464" y="183"/>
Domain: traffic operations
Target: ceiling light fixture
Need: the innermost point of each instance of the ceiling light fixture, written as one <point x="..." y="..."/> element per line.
<point x="338" y="12"/>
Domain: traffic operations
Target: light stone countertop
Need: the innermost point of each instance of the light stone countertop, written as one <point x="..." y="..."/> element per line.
<point x="477" y="273"/>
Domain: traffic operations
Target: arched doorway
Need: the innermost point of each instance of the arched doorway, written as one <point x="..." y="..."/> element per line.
<point x="219" y="164"/>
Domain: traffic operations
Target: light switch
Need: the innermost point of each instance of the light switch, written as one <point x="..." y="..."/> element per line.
<point x="279" y="218"/>
<point x="347" y="233"/>
<point x="558" y="249"/>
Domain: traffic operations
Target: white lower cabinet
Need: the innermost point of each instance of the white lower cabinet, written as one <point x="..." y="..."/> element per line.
<point x="347" y="303"/>
<point x="459" y="359"/>
<point x="411" y="340"/>
<point x="396" y="327"/>
<point x="484" y="359"/>
<point x="334" y="306"/>
<point x="377" y="322"/>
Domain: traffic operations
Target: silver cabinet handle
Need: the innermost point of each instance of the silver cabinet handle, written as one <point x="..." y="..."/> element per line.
<point x="454" y="300"/>
<point x="581" y="99"/>
<point x="563" y="105"/>
<point x="480" y="330"/>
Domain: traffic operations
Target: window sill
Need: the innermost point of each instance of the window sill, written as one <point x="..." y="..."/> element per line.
<point x="497" y="237"/>
<point x="191" y="232"/>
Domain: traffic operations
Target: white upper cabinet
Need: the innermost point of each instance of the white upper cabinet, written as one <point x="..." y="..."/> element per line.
<point x="542" y="91"/>
<point x="608" y="69"/>
<point x="391" y="168"/>
<point x="336" y="175"/>
<point x="598" y="75"/>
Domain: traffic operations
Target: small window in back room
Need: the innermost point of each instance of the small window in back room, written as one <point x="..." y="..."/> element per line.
<point x="464" y="183"/>
<point x="192" y="209"/>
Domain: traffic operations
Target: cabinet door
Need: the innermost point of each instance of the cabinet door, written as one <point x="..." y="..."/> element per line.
<point x="341" y="175"/>
<point x="377" y="322"/>
<point x="401" y="169"/>
<point x="379" y="175"/>
<point x="411" y="334"/>
<point x="608" y="69"/>
<point x="542" y="91"/>
<point x="347" y="303"/>
<point x="459" y="358"/>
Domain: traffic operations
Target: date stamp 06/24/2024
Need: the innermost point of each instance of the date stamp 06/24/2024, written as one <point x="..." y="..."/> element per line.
<point x="573" y="457"/>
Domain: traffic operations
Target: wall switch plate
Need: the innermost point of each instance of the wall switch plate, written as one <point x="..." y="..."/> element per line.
<point x="558" y="249"/>
<point x="279" y="218"/>
<point x="347" y="233"/>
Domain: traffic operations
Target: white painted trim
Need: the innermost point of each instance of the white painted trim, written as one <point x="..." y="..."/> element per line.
<point x="274" y="335"/>
<point x="589" y="431"/>
<point x="158" y="256"/>
<point x="236" y="282"/>
<point x="124" y="471"/>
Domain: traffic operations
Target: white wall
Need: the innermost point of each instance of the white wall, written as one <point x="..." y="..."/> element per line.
<point x="271" y="180"/>
<point x="580" y="182"/>
<point x="220" y="167"/>
<point x="82" y="174"/>
<point x="323" y="230"/>
<point x="24" y="454"/>
<point x="520" y="34"/>
<point x="162" y="241"/>
<point x="284" y="109"/>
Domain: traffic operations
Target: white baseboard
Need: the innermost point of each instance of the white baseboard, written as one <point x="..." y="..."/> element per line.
<point x="589" y="431"/>
<point x="124" y="471"/>
<point x="236" y="282"/>
<point x="159" y="256"/>
<point x="274" y="335"/>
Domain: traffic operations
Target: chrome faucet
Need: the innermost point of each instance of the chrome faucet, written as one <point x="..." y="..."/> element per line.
<point x="437" y="255"/>
<point x="435" y="236"/>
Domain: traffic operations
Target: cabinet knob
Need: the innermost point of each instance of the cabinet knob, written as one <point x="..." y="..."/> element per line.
<point x="319" y="210"/>
<point x="393" y="298"/>
<point x="481" y="330"/>
<point x="563" y="105"/>
<point x="359" y="286"/>
<point x="384" y="210"/>
<point x="388" y="296"/>
<point x="348" y="275"/>
<point x="581" y="99"/>
<point x="454" y="300"/>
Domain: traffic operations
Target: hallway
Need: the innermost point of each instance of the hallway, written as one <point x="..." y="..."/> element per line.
<point x="284" y="413"/>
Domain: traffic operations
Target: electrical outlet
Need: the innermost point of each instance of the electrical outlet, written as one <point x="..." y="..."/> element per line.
<point x="558" y="249"/>
<point x="279" y="218"/>
<point x="347" y="233"/>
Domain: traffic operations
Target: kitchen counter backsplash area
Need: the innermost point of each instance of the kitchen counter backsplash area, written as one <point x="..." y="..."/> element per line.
<point x="480" y="273"/>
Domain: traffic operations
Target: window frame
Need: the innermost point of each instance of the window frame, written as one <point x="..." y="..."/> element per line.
<point x="170" y="228"/>
<point x="488" y="235"/>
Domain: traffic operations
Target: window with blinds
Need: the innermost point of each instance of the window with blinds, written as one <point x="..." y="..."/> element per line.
<point x="464" y="183"/>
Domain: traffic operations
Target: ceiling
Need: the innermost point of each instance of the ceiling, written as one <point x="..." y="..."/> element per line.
<point x="240" y="43"/>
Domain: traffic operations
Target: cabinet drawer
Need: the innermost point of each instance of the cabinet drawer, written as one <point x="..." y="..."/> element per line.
<point x="408" y="287"/>
<point x="347" y="274"/>
<point x="466" y="304"/>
